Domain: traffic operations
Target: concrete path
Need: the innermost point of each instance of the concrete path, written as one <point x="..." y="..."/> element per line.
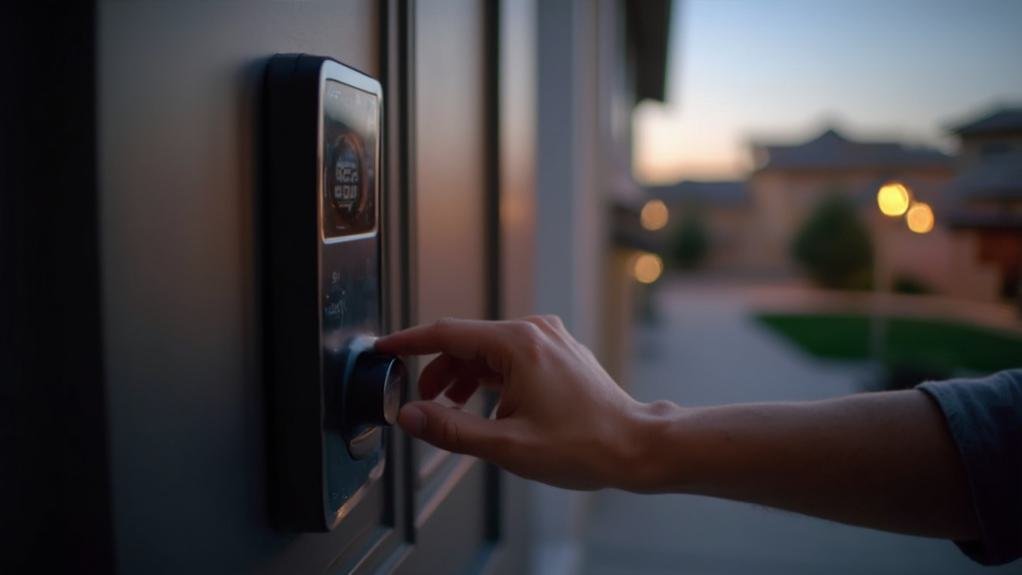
<point x="706" y="350"/>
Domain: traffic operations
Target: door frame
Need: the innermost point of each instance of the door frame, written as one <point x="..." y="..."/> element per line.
<point x="398" y="75"/>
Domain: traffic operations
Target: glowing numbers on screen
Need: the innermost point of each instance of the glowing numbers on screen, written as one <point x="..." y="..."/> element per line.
<point x="347" y="177"/>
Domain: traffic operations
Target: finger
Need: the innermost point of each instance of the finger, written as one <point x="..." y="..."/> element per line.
<point x="442" y="370"/>
<point x="437" y="375"/>
<point x="453" y="429"/>
<point x="461" y="338"/>
<point x="550" y="324"/>
<point x="462" y="390"/>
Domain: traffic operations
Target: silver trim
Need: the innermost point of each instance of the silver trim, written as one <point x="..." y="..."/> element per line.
<point x="331" y="70"/>
<point x="375" y="473"/>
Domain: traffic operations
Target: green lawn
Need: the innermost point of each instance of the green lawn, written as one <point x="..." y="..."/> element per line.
<point x="932" y="345"/>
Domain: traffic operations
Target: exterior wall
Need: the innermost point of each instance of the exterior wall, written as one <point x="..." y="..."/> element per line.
<point x="580" y="138"/>
<point x="1002" y="249"/>
<point x="518" y="128"/>
<point x="563" y="172"/>
<point x="450" y="162"/>
<point x="178" y="250"/>
<point x="995" y="207"/>
<point x="944" y="260"/>
<point x="614" y="183"/>
<point x="177" y="111"/>
<point x="568" y="232"/>
<point x="517" y="103"/>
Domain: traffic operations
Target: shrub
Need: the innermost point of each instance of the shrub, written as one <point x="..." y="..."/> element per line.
<point x="691" y="241"/>
<point x="834" y="245"/>
<point x="911" y="285"/>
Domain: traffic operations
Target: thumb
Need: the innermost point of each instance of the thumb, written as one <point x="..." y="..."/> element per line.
<point x="451" y="429"/>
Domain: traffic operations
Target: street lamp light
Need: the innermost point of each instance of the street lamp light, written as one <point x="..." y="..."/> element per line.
<point x="647" y="267"/>
<point x="893" y="199"/>
<point x="654" y="215"/>
<point x="920" y="218"/>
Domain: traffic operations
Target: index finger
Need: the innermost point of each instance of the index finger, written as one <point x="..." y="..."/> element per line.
<point x="462" y="338"/>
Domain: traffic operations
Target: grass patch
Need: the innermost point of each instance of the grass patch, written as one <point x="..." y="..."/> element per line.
<point x="926" y="345"/>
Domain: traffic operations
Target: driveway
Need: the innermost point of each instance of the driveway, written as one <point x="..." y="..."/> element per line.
<point x="704" y="350"/>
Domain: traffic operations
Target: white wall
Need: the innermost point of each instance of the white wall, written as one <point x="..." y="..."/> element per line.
<point x="574" y="65"/>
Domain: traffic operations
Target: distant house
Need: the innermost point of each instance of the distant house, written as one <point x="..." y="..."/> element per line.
<point x="986" y="193"/>
<point x="725" y="209"/>
<point x="789" y="180"/>
<point x="973" y="251"/>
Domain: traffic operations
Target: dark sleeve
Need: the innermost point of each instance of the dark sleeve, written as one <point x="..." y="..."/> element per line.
<point x="985" y="420"/>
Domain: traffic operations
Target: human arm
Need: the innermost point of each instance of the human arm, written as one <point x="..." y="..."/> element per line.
<point x="882" y="460"/>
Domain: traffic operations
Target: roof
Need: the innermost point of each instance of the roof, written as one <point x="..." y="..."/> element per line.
<point x="728" y="192"/>
<point x="995" y="178"/>
<point x="1006" y="120"/>
<point x="833" y="151"/>
<point x="649" y="24"/>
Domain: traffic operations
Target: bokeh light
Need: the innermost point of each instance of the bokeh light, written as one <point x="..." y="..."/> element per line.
<point x="647" y="268"/>
<point x="654" y="215"/>
<point x="893" y="199"/>
<point x="920" y="218"/>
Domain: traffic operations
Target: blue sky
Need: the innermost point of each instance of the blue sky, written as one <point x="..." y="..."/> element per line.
<point x="781" y="69"/>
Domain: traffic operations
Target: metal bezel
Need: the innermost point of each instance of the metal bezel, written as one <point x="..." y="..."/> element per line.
<point x="333" y="70"/>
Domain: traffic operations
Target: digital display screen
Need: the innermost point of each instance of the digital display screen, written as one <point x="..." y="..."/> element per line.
<point x="351" y="124"/>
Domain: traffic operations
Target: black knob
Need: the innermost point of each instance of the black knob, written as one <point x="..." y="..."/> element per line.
<point x="375" y="391"/>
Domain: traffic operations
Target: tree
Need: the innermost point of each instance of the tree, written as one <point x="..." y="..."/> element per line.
<point x="834" y="246"/>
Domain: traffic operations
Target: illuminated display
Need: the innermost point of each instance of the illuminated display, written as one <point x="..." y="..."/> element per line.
<point x="350" y="152"/>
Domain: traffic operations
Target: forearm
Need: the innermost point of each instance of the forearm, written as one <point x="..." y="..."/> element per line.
<point x="882" y="460"/>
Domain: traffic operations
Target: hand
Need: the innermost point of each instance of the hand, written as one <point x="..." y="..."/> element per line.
<point x="561" y="418"/>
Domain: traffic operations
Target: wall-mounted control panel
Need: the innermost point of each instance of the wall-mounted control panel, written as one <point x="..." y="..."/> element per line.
<point x="330" y="396"/>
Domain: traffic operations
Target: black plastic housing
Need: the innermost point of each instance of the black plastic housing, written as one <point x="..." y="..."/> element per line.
<point x="306" y="278"/>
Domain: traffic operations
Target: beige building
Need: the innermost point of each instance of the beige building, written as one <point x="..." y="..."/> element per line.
<point x="791" y="179"/>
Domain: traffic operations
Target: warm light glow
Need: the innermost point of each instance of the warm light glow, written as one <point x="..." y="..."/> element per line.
<point x="647" y="268"/>
<point x="654" y="215"/>
<point x="893" y="199"/>
<point x="919" y="218"/>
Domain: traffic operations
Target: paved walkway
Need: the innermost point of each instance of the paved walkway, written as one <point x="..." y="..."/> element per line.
<point x="706" y="350"/>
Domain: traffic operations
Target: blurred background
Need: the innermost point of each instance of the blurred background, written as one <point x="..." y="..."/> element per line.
<point x="825" y="198"/>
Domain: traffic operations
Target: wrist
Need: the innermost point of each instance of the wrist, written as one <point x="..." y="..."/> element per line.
<point x="648" y="464"/>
